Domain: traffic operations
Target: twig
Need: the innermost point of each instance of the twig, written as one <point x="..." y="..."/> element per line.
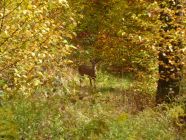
<point x="2" y="19"/>
<point x="12" y="10"/>
<point x="9" y="66"/>
<point x="11" y="35"/>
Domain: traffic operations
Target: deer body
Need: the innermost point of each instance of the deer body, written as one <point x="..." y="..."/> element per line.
<point x="90" y="71"/>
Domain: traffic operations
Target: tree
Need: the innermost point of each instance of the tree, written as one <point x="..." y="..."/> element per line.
<point x="120" y="32"/>
<point x="170" y="50"/>
<point x="34" y="50"/>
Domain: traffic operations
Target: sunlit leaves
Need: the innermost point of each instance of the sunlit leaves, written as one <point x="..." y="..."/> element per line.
<point x="129" y="31"/>
<point x="31" y="48"/>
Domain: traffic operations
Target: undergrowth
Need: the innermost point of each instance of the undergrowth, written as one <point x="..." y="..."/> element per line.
<point x="118" y="112"/>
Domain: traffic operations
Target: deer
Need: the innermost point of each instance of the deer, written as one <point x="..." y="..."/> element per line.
<point x="90" y="71"/>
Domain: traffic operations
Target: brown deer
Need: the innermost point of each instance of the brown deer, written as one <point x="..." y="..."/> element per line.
<point x="90" y="71"/>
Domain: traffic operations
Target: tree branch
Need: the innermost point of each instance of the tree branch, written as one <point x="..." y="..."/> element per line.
<point x="2" y="19"/>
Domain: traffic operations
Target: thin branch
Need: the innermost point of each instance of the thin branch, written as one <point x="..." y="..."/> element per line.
<point x="14" y="63"/>
<point x="12" y="34"/>
<point x="7" y="4"/>
<point x="9" y="66"/>
<point x="2" y="19"/>
<point x="14" y="49"/>
<point x="12" y="10"/>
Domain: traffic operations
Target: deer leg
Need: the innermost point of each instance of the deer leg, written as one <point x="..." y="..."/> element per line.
<point x="90" y="81"/>
<point x="80" y="81"/>
<point x="94" y="83"/>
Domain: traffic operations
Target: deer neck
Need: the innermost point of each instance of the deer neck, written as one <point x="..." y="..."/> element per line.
<point x="94" y="67"/>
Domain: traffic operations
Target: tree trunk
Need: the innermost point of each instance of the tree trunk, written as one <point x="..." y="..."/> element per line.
<point x="170" y="56"/>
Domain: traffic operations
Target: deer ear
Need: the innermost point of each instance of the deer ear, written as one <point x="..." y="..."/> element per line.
<point x="91" y="61"/>
<point x="95" y="60"/>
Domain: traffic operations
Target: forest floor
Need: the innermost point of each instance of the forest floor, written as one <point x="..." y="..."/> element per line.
<point x="120" y="108"/>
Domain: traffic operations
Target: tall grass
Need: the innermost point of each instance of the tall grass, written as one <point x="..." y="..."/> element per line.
<point x="118" y="112"/>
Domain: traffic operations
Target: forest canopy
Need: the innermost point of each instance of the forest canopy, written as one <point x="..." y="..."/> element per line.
<point x="132" y="51"/>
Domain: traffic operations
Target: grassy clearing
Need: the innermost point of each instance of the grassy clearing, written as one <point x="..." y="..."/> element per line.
<point x="116" y="110"/>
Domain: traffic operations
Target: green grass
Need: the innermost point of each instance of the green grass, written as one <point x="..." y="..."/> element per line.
<point x="108" y="82"/>
<point x="118" y="109"/>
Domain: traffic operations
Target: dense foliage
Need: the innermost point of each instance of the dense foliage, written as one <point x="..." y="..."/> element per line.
<point x="43" y="42"/>
<point x="33" y="50"/>
<point x="170" y="49"/>
<point x="120" y="32"/>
